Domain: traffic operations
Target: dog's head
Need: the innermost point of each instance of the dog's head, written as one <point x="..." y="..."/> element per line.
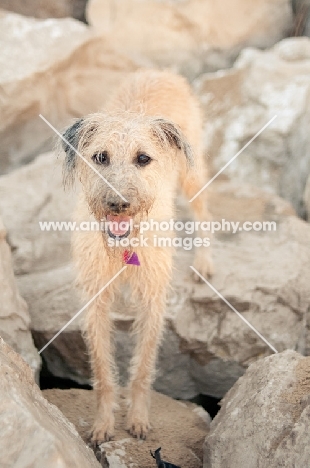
<point x="125" y="162"/>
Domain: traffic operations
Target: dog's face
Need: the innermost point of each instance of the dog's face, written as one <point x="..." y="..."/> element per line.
<point x="137" y="157"/>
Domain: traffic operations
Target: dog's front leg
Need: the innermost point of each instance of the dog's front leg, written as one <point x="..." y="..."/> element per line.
<point x="98" y="328"/>
<point x="148" y="328"/>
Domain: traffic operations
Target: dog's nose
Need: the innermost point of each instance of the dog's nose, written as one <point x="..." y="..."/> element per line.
<point x="118" y="206"/>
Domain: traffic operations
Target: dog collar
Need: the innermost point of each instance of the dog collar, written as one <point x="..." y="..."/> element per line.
<point x="130" y="258"/>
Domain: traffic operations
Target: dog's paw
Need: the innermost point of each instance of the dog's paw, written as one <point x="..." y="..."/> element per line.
<point x="204" y="265"/>
<point x="138" y="427"/>
<point x="102" y="431"/>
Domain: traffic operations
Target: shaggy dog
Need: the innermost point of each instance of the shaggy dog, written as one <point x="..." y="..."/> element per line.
<point x="146" y="143"/>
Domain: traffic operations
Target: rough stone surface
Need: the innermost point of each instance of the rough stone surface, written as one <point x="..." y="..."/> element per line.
<point x="14" y="314"/>
<point x="33" y="194"/>
<point x="46" y="8"/>
<point x="240" y="101"/>
<point x="33" y="432"/>
<point x="264" y="275"/>
<point x="179" y="428"/>
<point x="307" y="198"/>
<point x="66" y="72"/>
<point x="190" y="35"/>
<point x="264" y="419"/>
<point x="301" y="9"/>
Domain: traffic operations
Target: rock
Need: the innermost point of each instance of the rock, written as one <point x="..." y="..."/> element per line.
<point x="27" y="91"/>
<point x="179" y="428"/>
<point x="264" y="419"/>
<point x="191" y="35"/>
<point x="40" y="197"/>
<point x="47" y="9"/>
<point x="206" y="346"/>
<point x="301" y="9"/>
<point x="66" y="72"/>
<point x="33" y="432"/>
<point x="14" y="314"/>
<point x="307" y="198"/>
<point x="240" y="101"/>
<point x="54" y="302"/>
<point x="252" y="274"/>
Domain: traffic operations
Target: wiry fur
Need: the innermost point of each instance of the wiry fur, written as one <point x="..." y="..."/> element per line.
<point x="157" y="114"/>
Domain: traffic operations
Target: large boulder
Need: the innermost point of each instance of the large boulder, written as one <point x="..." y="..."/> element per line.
<point x="30" y="195"/>
<point x="14" y="314"/>
<point x="33" y="432"/>
<point x="64" y="72"/>
<point x="191" y="35"/>
<point x="179" y="428"/>
<point x="240" y="101"/>
<point x="265" y="418"/>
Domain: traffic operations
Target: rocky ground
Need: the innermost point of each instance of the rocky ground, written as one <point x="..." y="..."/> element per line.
<point x="178" y="427"/>
<point x="247" y="65"/>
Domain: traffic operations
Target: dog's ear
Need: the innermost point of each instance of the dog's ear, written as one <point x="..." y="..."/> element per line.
<point x="170" y="133"/>
<point x="70" y="144"/>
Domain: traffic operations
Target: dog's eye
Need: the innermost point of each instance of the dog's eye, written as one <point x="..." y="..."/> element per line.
<point x="143" y="160"/>
<point x="101" y="158"/>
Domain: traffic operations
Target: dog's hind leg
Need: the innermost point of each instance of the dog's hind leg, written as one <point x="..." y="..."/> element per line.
<point x="192" y="182"/>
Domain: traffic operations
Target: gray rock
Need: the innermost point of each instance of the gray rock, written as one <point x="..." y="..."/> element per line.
<point x="31" y="195"/>
<point x="264" y="418"/>
<point x="26" y="90"/>
<point x="33" y="432"/>
<point x="63" y="73"/>
<point x="14" y="313"/>
<point x="307" y="198"/>
<point x="301" y="9"/>
<point x="240" y="101"/>
<point x="191" y="36"/>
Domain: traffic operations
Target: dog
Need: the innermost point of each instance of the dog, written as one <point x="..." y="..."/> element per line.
<point x="146" y="144"/>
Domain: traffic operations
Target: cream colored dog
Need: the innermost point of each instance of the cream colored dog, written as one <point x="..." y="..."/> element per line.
<point x="146" y="143"/>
